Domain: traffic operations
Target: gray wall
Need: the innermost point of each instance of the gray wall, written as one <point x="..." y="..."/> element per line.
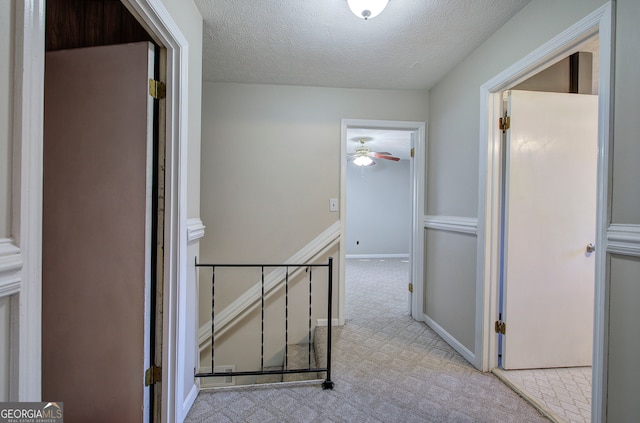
<point x="623" y="279"/>
<point x="270" y="164"/>
<point x="452" y="181"/>
<point x="188" y="18"/>
<point x="6" y="122"/>
<point x="626" y="154"/>
<point x="6" y="112"/>
<point x="5" y="333"/>
<point x="379" y="208"/>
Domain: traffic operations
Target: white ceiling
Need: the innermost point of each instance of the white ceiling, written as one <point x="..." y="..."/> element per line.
<point x="411" y="45"/>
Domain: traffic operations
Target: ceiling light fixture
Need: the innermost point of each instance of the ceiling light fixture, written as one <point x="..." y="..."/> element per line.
<point x="366" y="9"/>
<point x="362" y="161"/>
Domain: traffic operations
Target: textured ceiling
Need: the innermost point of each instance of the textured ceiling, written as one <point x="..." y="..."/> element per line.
<point x="411" y="45"/>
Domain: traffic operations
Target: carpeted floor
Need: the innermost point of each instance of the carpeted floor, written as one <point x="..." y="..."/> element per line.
<point x="563" y="393"/>
<point x="386" y="368"/>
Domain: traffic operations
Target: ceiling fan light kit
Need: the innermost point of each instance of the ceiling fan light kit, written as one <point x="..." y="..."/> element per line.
<point x="366" y="9"/>
<point x="363" y="155"/>
<point x="362" y="161"/>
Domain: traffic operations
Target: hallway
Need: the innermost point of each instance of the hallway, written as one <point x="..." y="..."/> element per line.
<point x="387" y="368"/>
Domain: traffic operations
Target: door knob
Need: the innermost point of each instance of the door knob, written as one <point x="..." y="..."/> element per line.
<point x="591" y="248"/>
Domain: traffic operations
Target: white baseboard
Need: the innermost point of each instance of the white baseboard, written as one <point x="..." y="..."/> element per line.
<point x="189" y="400"/>
<point x="323" y="322"/>
<point x="375" y="256"/>
<point x="455" y="344"/>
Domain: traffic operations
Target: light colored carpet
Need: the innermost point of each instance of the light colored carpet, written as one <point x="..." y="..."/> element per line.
<point x="564" y="393"/>
<point x="387" y="368"/>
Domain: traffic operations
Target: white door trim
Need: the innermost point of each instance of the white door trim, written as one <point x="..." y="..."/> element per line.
<point x="28" y="128"/>
<point x="599" y="22"/>
<point x="27" y="197"/>
<point x="418" y="206"/>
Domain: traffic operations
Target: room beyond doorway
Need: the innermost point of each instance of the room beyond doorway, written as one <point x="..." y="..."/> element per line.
<point x="417" y="181"/>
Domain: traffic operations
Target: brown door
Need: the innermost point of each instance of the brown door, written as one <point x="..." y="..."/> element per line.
<point x="97" y="232"/>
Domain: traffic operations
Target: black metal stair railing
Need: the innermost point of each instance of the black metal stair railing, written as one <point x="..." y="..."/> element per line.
<point x="328" y="383"/>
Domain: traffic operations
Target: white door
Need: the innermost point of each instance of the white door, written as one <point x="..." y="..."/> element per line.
<point x="97" y="232"/>
<point x="550" y="218"/>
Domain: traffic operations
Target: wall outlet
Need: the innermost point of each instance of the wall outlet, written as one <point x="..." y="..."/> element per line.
<point x="333" y="204"/>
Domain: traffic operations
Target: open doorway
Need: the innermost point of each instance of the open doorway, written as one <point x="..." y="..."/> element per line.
<point x="378" y="210"/>
<point x="103" y="212"/>
<point x="30" y="51"/>
<point x="548" y="229"/>
<point x="355" y="134"/>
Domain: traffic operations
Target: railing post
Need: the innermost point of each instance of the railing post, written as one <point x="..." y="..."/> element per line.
<point x="213" y="319"/>
<point x="328" y="383"/>
<point x="262" y="319"/>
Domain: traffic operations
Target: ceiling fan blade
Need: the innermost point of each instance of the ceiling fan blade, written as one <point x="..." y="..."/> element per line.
<point x="384" y="153"/>
<point x="382" y="156"/>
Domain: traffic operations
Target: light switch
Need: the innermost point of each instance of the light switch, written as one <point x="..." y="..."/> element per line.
<point x="333" y="204"/>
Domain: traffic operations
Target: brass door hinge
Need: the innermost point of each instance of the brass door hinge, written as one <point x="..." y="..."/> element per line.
<point x="157" y="89"/>
<point x="152" y="375"/>
<point x="504" y="123"/>
<point x="411" y="287"/>
<point x="413" y="152"/>
<point x="501" y="327"/>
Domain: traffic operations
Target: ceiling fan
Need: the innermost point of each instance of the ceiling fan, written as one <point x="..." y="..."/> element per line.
<point x="363" y="155"/>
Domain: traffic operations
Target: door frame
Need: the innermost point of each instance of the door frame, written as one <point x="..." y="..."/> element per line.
<point x="27" y="197"/>
<point x="417" y="208"/>
<point x="600" y="23"/>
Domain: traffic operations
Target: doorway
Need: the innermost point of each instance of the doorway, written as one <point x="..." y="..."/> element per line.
<point x="378" y="206"/>
<point x="547" y="282"/>
<point x="30" y="51"/>
<point x="103" y="208"/>
<point x="416" y="132"/>
<point x="598" y="23"/>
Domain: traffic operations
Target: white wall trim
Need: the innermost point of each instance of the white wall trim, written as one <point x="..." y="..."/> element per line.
<point x="466" y="225"/>
<point x="195" y="229"/>
<point x="418" y="182"/>
<point x="455" y="344"/>
<point x="233" y="313"/>
<point x="623" y="239"/>
<point x="10" y="268"/>
<point x="204" y="335"/>
<point x="28" y="118"/>
<point x="324" y="322"/>
<point x="10" y="285"/>
<point x="600" y="22"/>
<point x="190" y="399"/>
<point x="154" y="16"/>
<point x="375" y="256"/>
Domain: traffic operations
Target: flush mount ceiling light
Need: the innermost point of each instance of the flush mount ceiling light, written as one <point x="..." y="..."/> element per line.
<point x="366" y="9"/>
